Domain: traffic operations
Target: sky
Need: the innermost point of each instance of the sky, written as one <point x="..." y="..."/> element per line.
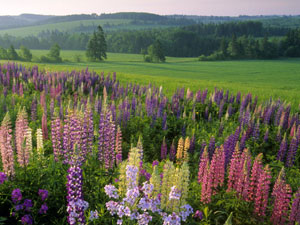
<point x="162" y="7"/>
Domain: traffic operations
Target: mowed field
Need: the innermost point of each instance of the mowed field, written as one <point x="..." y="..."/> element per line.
<point x="264" y="78"/>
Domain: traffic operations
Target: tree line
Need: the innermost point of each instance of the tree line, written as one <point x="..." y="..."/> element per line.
<point x="246" y="47"/>
<point x="242" y="40"/>
<point x="186" y="41"/>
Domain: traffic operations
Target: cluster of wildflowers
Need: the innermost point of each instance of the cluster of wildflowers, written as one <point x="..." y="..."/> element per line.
<point x="142" y="203"/>
<point x="26" y="208"/>
<point x="3" y="177"/>
<point x="7" y="154"/>
<point x="23" y="150"/>
<point x="282" y="196"/>
<point x="76" y="205"/>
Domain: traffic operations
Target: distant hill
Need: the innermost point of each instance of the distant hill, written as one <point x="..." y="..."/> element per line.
<point x="25" y="26"/>
<point x="39" y="25"/>
<point x="272" y="20"/>
<point x="7" y="22"/>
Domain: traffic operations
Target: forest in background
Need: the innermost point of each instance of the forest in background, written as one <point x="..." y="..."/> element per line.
<point x="212" y="38"/>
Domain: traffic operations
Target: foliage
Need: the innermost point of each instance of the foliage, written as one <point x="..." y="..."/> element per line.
<point x="96" y="47"/>
<point x="80" y="111"/>
<point x="25" y="54"/>
<point x="11" y="53"/>
<point x="156" y="53"/>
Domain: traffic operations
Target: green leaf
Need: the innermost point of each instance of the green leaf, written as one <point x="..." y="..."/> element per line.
<point x="229" y="220"/>
<point x="205" y="211"/>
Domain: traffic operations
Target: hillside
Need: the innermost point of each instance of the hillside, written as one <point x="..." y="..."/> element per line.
<point x="22" y="26"/>
<point x="30" y="24"/>
<point x="8" y="22"/>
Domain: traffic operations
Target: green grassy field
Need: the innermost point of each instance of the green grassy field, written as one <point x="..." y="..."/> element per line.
<point x="264" y="78"/>
<point x="74" y="26"/>
<point x="63" y="27"/>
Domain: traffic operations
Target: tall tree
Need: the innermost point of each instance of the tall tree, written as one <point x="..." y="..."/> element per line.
<point x="54" y="53"/>
<point x="96" y="48"/>
<point x="156" y="52"/>
<point x="234" y="47"/>
<point x="11" y="53"/>
<point x="25" y="54"/>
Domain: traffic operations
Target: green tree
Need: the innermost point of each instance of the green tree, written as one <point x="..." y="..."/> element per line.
<point x="96" y="48"/>
<point x="144" y="53"/>
<point x="234" y="48"/>
<point x="11" y="53"/>
<point x="156" y="52"/>
<point x="54" y="53"/>
<point x="3" y="53"/>
<point x="268" y="49"/>
<point x="223" y="47"/>
<point x="25" y="54"/>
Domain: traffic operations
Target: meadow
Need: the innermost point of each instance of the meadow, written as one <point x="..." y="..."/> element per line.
<point x="77" y="26"/>
<point x="128" y="142"/>
<point x="264" y="78"/>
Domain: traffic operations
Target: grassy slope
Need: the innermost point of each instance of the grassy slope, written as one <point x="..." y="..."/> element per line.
<point x="63" y="26"/>
<point x="277" y="78"/>
<point x="70" y="26"/>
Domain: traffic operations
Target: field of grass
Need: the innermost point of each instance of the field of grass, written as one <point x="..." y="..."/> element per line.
<point x="63" y="27"/>
<point x="74" y="26"/>
<point x="264" y="78"/>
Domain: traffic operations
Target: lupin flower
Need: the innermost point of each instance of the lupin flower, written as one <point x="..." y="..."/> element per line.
<point x="140" y="147"/>
<point x="206" y="186"/>
<point x="290" y="159"/>
<point x="211" y="147"/>
<point x="44" y="126"/>
<point x="174" y="193"/>
<point x="43" y="209"/>
<point x="244" y="182"/>
<point x="16" y="195"/>
<point x="39" y="142"/>
<point x="202" y="165"/>
<point x="28" y="137"/>
<point x="186" y="148"/>
<point x="179" y="153"/>
<point x="164" y="150"/>
<point x="3" y="177"/>
<point x="172" y="151"/>
<point x="217" y="168"/>
<point x="257" y="169"/>
<point x="43" y="194"/>
<point x="167" y="183"/>
<point x="282" y="196"/>
<point x="295" y="212"/>
<point x="111" y="191"/>
<point x="34" y="109"/>
<point x="56" y="137"/>
<point x="234" y="170"/>
<point x="266" y="136"/>
<point x="21" y="128"/>
<point x="256" y="131"/>
<point x="262" y="192"/>
<point x="131" y="176"/>
<point x="283" y="149"/>
<point x="118" y="148"/>
<point x="155" y="180"/>
<point x="172" y="219"/>
<point x="76" y="205"/>
<point x="27" y="219"/>
<point x="182" y="179"/>
<point x="7" y="154"/>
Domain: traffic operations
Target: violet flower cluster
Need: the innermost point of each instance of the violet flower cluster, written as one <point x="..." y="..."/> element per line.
<point x="139" y="203"/>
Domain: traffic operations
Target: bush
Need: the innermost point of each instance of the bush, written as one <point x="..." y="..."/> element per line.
<point x="147" y="58"/>
<point x="77" y="58"/>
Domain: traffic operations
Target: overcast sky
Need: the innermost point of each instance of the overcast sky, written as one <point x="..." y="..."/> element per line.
<point x="194" y="7"/>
